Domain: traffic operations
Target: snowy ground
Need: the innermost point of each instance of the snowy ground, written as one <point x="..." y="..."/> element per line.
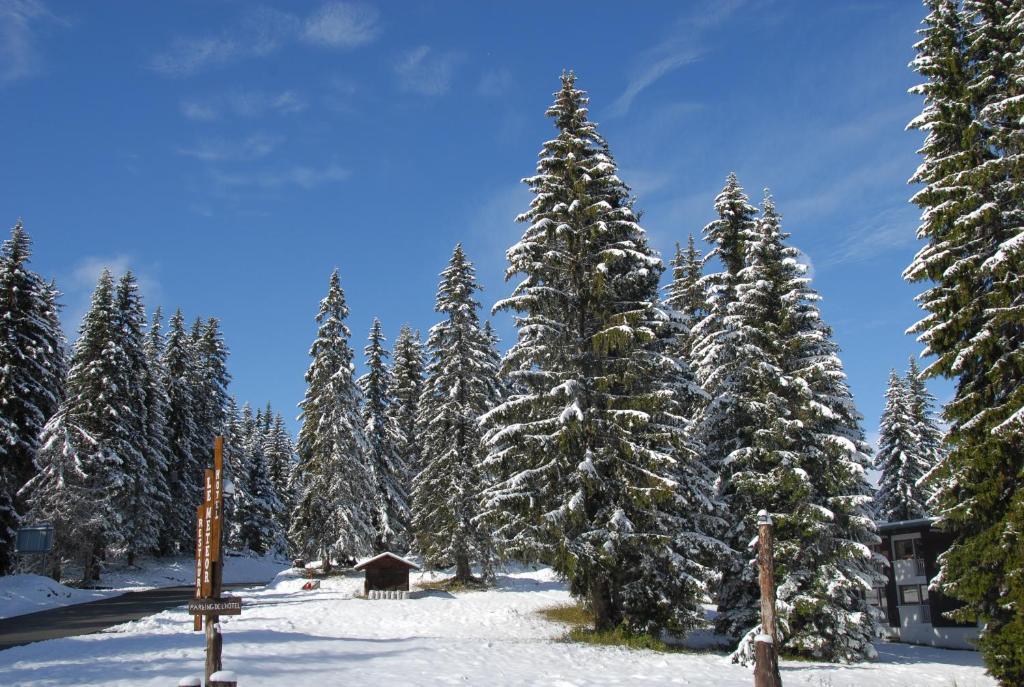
<point x="20" y="594"/>
<point x="286" y="636"/>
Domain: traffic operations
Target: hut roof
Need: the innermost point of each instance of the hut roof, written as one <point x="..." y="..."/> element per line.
<point x="380" y="557"/>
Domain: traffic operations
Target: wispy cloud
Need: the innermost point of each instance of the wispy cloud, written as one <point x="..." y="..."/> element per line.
<point x="263" y="31"/>
<point x="242" y="103"/>
<point x="19" y="20"/>
<point x="79" y="284"/>
<point x="221" y="150"/>
<point x="888" y="230"/>
<point x="680" y="48"/>
<point x="342" y="25"/>
<point x="425" y="71"/>
<point x="300" y="176"/>
<point x="495" y="82"/>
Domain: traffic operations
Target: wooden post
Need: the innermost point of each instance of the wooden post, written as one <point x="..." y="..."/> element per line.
<point x="223" y="678"/>
<point x="766" y="644"/>
<point x="214" y="493"/>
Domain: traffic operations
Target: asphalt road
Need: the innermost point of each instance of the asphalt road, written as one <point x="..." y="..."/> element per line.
<point x="83" y="619"/>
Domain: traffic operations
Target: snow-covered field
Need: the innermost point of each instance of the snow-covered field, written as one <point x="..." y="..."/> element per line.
<point x="20" y="594"/>
<point x="286" y="636"/>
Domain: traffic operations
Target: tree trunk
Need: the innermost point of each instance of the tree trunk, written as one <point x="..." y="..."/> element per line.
<point x="463" y="573"/>
<point x="325" y="564"/>
<point x="602" y="606"/>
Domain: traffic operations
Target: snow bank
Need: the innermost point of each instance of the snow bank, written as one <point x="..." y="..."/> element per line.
<point x="492" y="637"/>
<point x="151" y="573"/>
<point x="20" y="594"/>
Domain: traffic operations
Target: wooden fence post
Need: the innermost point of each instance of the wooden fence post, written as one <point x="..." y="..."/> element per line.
<point x="766" y="644"/>
<point x="223" y="678"/>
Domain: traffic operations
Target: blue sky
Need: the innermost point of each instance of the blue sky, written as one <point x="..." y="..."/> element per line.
<point x="234" y="153"/>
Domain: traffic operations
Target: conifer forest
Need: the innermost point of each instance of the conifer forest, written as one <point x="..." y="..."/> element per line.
<point x="645" y="409"/>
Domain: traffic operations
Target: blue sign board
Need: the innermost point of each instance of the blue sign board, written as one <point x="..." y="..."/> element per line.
<point x="34" y="539"/>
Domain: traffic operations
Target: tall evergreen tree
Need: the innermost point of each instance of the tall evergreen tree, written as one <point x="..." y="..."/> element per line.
<point x="256" y="503"/>
<point x="971" y="201"/>
<point x="899" y="495"/>
<point x="81" y="476"/>
<point x="407" y="386"/>
<point x="32" y="369"/>
<point x="686" y="294"/>
<point x="931" y="446"/>
<point x="390" y="499"/>
<point x="460" y="387"/>
<point x="331" y="481"/>
<point x="583" y="446"/>
<point x="803" y="461"/>
<point x="280" y="461"/>
<point x="184" y="467"/>
<point x="141" y="442"/>
<point x="210" y="386"/>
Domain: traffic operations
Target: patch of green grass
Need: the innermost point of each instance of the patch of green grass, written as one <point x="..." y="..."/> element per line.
<point x="581" y="622"/>
<point x="620" y="636"/>
<point x="452" y="585"/>
<point x="570" y="614"/>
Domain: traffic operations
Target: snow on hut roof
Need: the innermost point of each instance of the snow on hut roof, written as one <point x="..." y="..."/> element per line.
<point x="387" y="554"/>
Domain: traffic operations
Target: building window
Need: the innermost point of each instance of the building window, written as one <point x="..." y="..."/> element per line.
<point x="878" y="599"/>
<point x="913" y="594"/>
<point x="909" y="550"/>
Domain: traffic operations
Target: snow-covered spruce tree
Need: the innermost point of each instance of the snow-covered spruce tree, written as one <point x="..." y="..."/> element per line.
<point x="141" y="442"/>
<point x="280" y="456"/>
<point x="332" y="514"/>
<point x="210" y="386"/>
<point x="407" y="386"/>
<point x="390" y="499"/>
<point x="184" y="467"/>
<point x="257" y="506"/>
<point x="931" y="446"/>
<point x="804" y="463"/>
<point x="971" y="223"/>
<point x="899" y="497"/>
<point x="32" y="369"/>
<point x="80" y="476"/>
<point x="460" y="386"/>
<point x="585" y="454"/>
<point x="828" y="615"/>
<point x="686" y="293"/>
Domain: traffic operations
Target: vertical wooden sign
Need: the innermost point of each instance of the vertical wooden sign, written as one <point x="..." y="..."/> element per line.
<point x="200" y="564"/>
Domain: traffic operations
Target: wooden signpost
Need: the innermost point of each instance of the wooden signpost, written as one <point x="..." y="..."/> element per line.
<point x="208" y="602"/>
<point x="766" y="644"/>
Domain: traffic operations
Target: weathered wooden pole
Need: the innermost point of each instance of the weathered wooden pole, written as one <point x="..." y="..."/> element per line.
<point x="214" y="493"/>
<point x="766" y="644"/>
<point x="223" y="678"/>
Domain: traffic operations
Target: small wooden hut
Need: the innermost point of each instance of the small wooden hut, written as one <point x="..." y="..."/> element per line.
<point x="386" y="572"/>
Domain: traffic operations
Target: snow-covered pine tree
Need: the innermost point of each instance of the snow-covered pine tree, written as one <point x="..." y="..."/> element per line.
<point x="931" y="438"/>
<point x="582" y="446"/>
<point x="899" y="497"/>
<point x="460" y="387"/>
<point x="81" y="476"/>
<point x="723" y="425"/>
<point x="210" y="386"/>
<point x="280" y="461"/>
<point x="141" y="442"/>
<point x="391" y="501"/>
<point x="184" y="467"/>
<point x="803" y="464"/>
<point x="971" y="222"/>
<point x="407" y="386"/>
<point x="32" y="369"/>
<point x="332" y="514"/>
<point x="824" y="609"/>
<point x="686" y="294"/>
<point x="256" y="506"/>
